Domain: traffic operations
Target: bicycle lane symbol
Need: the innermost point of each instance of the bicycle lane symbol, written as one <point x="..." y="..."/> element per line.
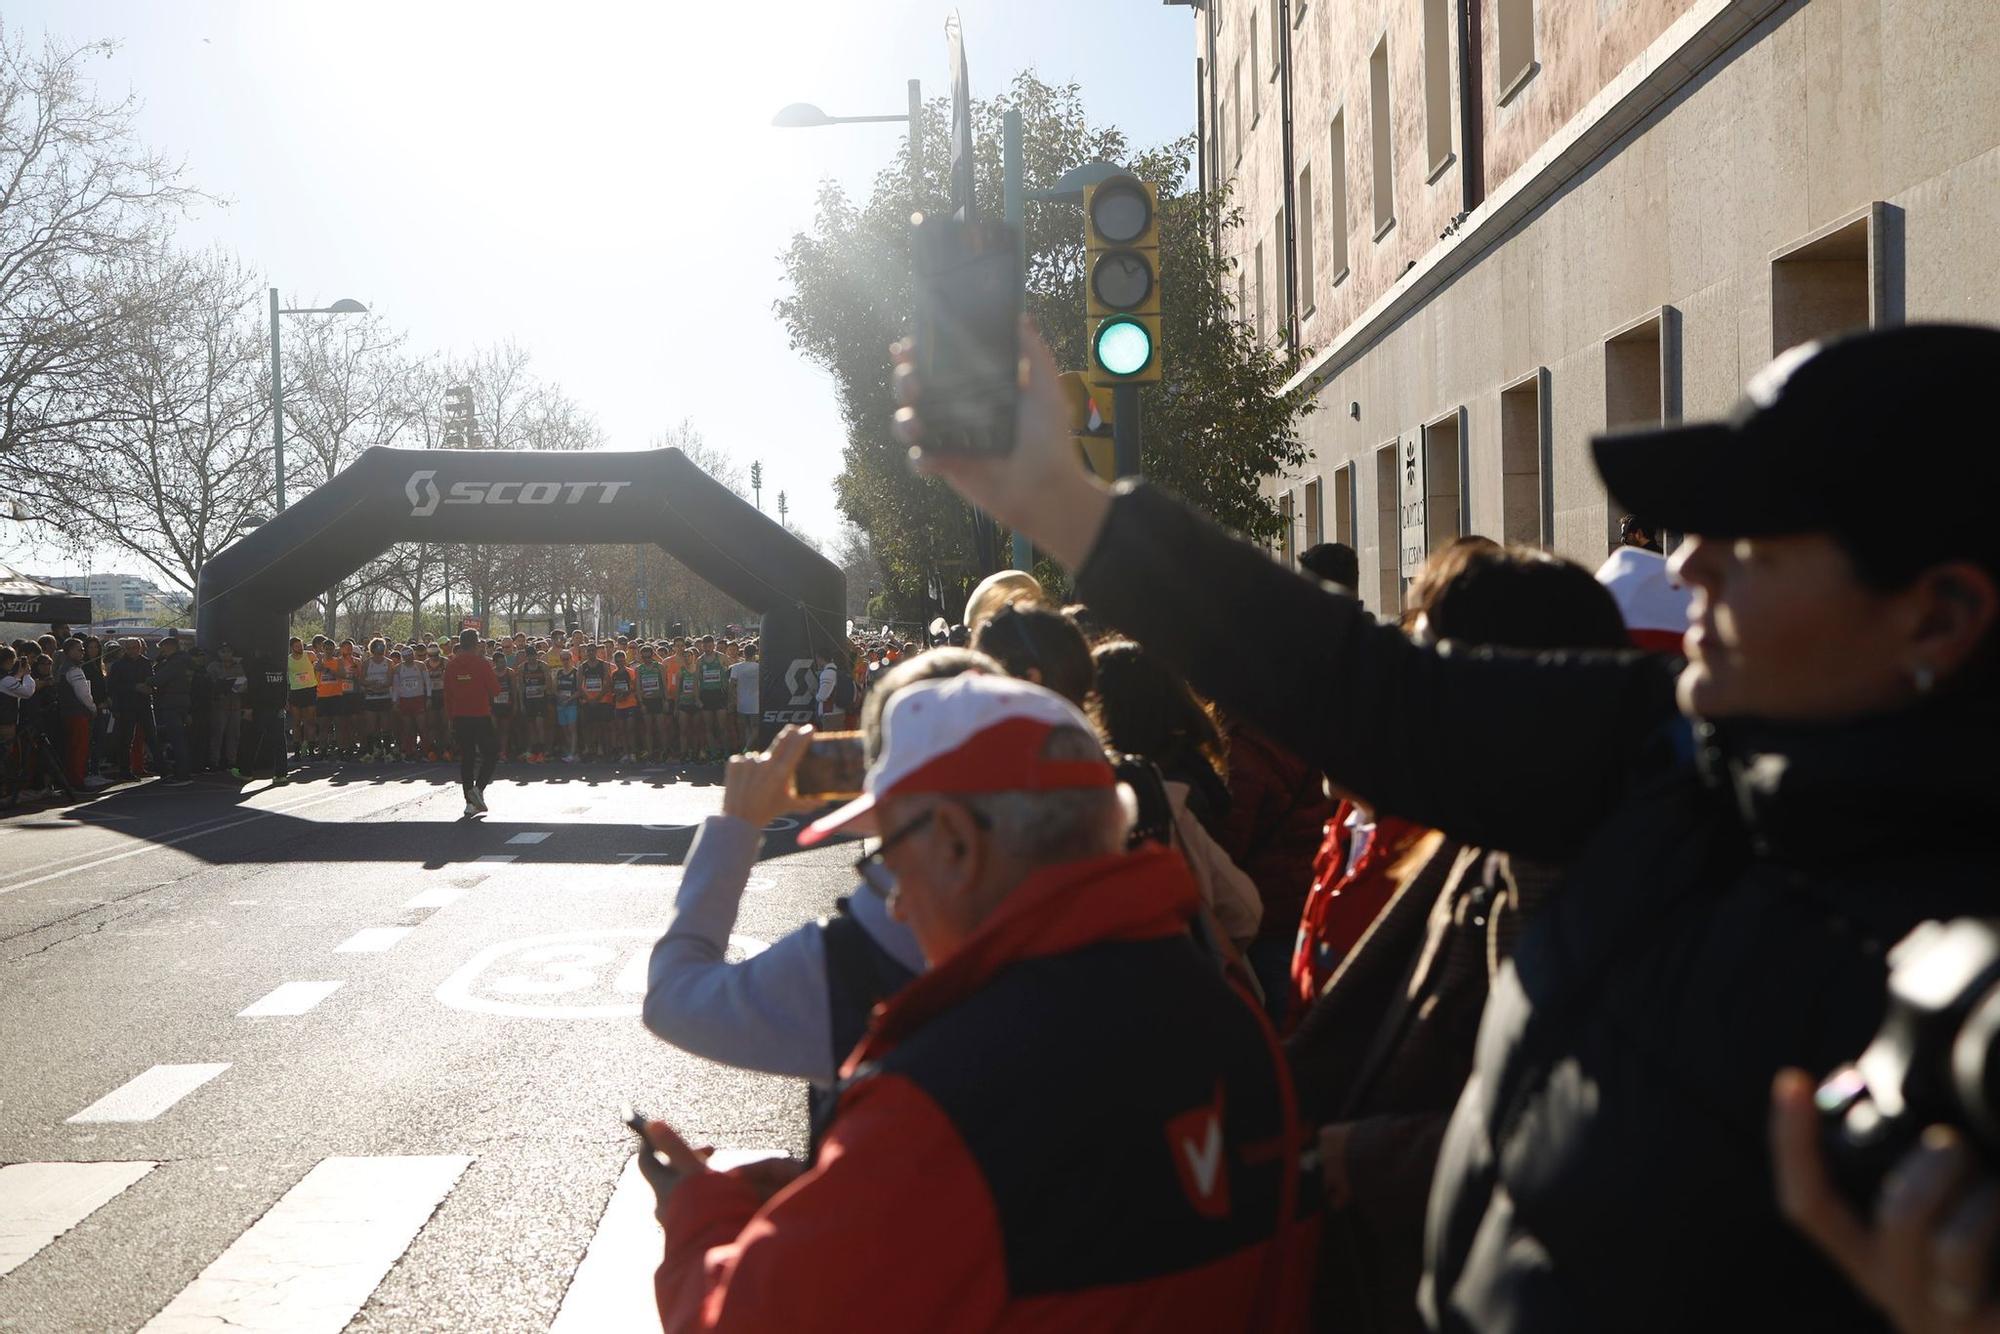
<point x="565" y="975"/>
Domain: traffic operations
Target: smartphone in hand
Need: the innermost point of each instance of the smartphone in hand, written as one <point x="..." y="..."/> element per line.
<point x="833" y="766"/>
<point x="967" y="343"/>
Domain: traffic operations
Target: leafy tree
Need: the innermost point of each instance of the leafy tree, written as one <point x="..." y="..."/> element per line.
<point x="1217" y="425"/>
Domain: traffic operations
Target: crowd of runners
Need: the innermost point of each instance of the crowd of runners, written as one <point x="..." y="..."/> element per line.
<point x="561" y="699"/>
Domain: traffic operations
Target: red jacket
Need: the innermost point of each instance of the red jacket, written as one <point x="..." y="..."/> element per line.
<point x="1073" y="1122"/>
<point x="1340" y="908"/>
<point x="469" y="686"/>
<point x="1276" y="819"/>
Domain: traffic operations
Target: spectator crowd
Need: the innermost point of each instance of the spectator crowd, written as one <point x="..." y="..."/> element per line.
<point x="1470" y="970"/>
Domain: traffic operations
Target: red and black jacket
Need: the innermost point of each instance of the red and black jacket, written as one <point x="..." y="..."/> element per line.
<point x="1072" y="1123"/>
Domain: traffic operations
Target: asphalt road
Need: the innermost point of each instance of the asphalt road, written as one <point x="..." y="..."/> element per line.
<point x="330" y="1056"/>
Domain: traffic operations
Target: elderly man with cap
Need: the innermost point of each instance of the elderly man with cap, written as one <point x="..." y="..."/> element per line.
<point x="1744" y="836"/>
<point x="1070" y="1120"/>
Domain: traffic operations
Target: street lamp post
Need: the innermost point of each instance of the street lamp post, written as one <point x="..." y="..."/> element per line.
<point x="804" y="115"/>
<point x="344" y="306"/>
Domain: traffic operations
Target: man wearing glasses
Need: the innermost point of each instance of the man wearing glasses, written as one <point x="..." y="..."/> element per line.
<point x="1071" y="1053"/>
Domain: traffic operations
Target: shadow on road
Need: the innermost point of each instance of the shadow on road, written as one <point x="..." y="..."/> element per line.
<point x="200" y="820"/>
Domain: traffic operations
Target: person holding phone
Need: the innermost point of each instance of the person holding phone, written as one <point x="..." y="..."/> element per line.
<point x="1017" y="1088"/>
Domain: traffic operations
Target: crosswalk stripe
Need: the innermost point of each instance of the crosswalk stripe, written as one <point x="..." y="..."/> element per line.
<point x="498" y="858"/>
<point x="372" y="939"/>
<point x="442" y="896"/>
<point x="533" y="836"/>
<point x="41" y="1201"/>
<point x="145" y="1096"/>
<point x="613" y="1287"/>
<point x="291" y="998"/>
<point x="311" y="1262"/>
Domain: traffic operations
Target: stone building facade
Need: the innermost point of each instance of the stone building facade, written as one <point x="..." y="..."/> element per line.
<point x="1496" y="227"/>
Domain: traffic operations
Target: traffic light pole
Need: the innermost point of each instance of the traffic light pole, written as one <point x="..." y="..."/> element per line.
<point x="1125" y="428"/>
<point x="1012" y="210"/>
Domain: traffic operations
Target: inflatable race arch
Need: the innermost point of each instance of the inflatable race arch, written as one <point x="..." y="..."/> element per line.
<point x="248" y="590"/>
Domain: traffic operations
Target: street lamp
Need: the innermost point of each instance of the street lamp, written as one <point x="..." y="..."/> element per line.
<point x="344" y="306"/>
<point x="804" y="116"/>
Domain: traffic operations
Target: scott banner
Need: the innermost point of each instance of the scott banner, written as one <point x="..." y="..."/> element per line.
<point x="248" y="590"/>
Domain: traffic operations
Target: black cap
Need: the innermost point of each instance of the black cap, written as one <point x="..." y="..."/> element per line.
<point x="1882" y="440"/>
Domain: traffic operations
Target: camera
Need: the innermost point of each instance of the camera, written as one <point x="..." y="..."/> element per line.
<point x="1933" y="1061"/>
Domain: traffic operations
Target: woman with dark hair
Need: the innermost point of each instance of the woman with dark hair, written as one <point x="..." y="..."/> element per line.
<point x="1142" y="709"/>
<point x="1742" y="838"/>
<point x="1383" y="1050"/>
<point x="1036" y="643"/>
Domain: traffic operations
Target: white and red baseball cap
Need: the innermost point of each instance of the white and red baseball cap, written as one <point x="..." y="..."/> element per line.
<point x="967" y="735"/>
<point x="1654" y="606"/>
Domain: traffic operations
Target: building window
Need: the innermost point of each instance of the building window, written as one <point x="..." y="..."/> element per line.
<point x="1236" y="99"/>
<point x="1286" y="519"/>
<point x="1437" y="86"/>
<point x="1242" y="293"/>
<point x="1256" y="103"/>
<point x="1312" y="516"/>
<point x="1524" y="462"/>
<point x="1826" y="285"/>
<point x="1446" y="498"/>
<point x="1343" y="504"/>
<point x="1260" y="292"/>
<point x="1281" y="253"/>
<point x="1388" y="531"/>
<point x="1641" y="383"/>
<point x="1277" y="35"/>
<point x="1336" y="200"/>
<point x="1378" y="117"/>
<point x="1516" y="55"/>
<point x="1306" y="274"/>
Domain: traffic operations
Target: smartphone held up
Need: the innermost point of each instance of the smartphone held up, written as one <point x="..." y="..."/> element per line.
<point x="966" y="344"/>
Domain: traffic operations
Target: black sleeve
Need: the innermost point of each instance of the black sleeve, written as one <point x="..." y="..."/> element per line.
<point x="1514" y="751"/>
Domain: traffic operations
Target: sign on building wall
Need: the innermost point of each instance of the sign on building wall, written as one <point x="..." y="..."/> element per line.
<point x="1414" y="545"/>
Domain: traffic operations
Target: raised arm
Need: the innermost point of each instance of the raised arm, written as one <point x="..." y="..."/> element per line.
<point x="1513" y="751"/>
<point x="1509" y="751"/>
<point x="769" y="1012"/>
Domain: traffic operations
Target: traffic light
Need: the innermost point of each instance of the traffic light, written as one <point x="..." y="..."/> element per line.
<point x="1121" y="243"/>
<point x="1090" y="426"/>
<point x="458" y="417"/>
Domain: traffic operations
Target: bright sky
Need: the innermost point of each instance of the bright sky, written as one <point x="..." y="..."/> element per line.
<point x="598" y="181"/>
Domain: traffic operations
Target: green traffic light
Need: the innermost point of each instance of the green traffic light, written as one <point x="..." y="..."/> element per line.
<point x="1124" y="346"/>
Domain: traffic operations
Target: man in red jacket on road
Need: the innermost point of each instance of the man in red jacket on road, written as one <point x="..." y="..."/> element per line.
<point x="1072" y="1120"/>
<point x="469" y="688"/>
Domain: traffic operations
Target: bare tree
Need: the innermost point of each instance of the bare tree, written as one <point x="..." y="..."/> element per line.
<point x="78" y="197"/>
<point x="347" y="388"/>
<point x="172" y="474"/>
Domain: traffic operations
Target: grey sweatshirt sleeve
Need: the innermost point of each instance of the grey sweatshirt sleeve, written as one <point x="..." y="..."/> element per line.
<point x="766" y="1013"/>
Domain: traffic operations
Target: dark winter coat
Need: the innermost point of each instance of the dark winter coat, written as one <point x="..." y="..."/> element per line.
<point x="1728" y="897"/>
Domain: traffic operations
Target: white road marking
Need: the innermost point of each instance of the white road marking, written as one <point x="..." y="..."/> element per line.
<point x="151" y="846"/>
<point x="498" y="858"/>
<point x="291" y="998"/>
<point x="441" y="897"/>
<point x="523" y="979"/>
<point x="528" y="838"/>
<point x="147" y="1095"/>
<point x="41" y="1201"/>
<point x="613" y="1288"/>
<point x="372" y="939"/>
<point x="311" y="1262"/>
